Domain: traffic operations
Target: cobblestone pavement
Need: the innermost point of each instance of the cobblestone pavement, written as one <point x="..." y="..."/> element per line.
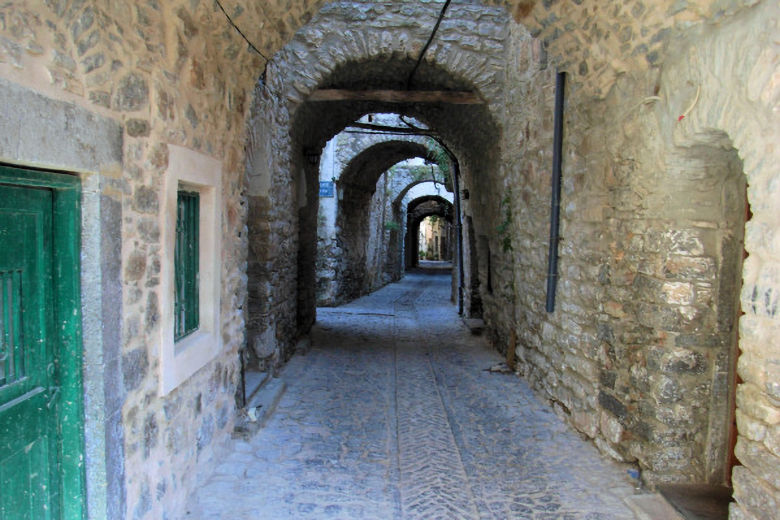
<point x="392" y="415"/>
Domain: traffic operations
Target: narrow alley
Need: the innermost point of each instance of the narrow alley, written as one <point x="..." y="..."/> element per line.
<point x="219" y="222"/>
<point x="392" y="414"/>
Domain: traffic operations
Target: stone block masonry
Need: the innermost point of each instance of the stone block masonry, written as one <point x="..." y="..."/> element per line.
<point x="164" y="74"/>
<point x="635" y="303"/>
<point x="670" y="146"/>
<point x="295" y="72"/>
<point x="654" y="213"/>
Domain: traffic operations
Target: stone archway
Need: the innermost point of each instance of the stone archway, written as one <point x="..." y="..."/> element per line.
<point x="418" y="210"/>
<point x="361" y="266"/>
<point x="360" y="221"/>
<point x="283" y="205"/>
<point x="676" y="337"/>
<point x="681" y="298"/>
<point x="561" y="353"/>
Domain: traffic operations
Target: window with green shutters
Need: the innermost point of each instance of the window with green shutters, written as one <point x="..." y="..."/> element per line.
<point x="186" y="259"/>
<point x="190" y="285"/>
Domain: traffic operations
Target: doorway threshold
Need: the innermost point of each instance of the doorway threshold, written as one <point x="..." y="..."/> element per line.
<point x="698" y="501"/>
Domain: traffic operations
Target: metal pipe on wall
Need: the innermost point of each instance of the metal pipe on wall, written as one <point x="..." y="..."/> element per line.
<point x="458" y="230"/>
<point x="555" y="203"/>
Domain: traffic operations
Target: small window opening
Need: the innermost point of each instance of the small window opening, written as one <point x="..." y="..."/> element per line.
<point x="186" y="260"/>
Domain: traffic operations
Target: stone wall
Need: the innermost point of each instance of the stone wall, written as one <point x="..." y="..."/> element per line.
<point x="610" y="381"/>
<point x="667" y="103"/>
<point x="169" y="73"/>
<point x="341" y="47"/>
<point x="653" y="209"/>
<point x="356" y="244"/>
<point x="411" y="182"/>
<point x="430" y="239"/>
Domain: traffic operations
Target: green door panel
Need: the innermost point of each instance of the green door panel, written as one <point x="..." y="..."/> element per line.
<point x="25" y="469"/>
<point x="29" y="479"/>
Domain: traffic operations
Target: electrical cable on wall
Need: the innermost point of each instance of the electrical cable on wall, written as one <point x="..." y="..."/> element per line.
<point x="427" y="44"/>
<point x="240" y="32"/>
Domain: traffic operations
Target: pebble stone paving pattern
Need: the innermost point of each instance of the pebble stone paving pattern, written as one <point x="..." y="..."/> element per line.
<point x="392" y="415"/>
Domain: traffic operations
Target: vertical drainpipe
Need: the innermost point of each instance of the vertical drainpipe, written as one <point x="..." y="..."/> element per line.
<point x="458" y="221"/>
<point x="555" y="207"/>
<point x="458" y="232"/>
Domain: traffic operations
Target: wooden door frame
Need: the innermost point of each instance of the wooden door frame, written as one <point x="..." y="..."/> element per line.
<point x="66" y="243"/>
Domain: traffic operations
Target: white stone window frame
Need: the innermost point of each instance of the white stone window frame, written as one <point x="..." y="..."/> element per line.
<point x="179" y="360"/>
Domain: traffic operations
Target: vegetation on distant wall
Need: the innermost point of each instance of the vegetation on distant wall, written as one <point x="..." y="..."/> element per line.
<point x="442" y="158"/>
<point x="503" y="228"/>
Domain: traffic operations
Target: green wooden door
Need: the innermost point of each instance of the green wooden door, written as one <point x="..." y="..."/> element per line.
<point x="29" y="473"/>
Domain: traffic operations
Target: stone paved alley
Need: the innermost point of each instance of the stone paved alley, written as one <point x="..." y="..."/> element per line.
<point x="392" y="414"/>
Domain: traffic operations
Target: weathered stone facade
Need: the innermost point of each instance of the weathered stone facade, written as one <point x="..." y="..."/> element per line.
<point x="669" y="152"/>
<point x="571" y="354"/>
<point x="654" y="206"/>
<point x="165" y="74"/>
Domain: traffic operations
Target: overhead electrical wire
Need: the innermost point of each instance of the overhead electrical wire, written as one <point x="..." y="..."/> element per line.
<point x="427" y="44"/>
<point x="230" y="20"/>
<point x="239" y="31"/>
<point x="411" y="74"/>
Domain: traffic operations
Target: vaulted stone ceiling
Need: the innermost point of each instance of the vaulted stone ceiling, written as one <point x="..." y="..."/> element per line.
<point x="600" y="39"/>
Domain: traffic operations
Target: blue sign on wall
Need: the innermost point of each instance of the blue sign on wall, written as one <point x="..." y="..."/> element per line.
<point x="326" y="188"/>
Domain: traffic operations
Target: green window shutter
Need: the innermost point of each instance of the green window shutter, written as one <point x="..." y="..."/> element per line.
<point x="186" y="259"/>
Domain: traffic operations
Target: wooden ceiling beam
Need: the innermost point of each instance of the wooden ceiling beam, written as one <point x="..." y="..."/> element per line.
<point x="453" y="97"/>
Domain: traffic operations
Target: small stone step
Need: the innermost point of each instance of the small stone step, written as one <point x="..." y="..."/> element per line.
<point x="700" y="501"/>
<point x="263" y="393"/>
<point x="652" y="507"/>
<point x="264" y="401"/>
<point x="303" y="345"/>
<point x="253" y="382"/>
<point x="475" y="325"/>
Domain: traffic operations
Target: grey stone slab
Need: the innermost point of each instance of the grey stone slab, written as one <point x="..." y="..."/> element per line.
<point x="253" y="382"/>
<point x="36" y="130"/>
<point x="652" y="507"/>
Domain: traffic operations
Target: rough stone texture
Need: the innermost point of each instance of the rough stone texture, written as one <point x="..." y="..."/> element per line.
<point x="46" y="145"/>
<point x="419" y="209"/>
<point x="643" y="312"/>
<point x="140" y="66"/>
<point x="390" y="31"/>
<point x="644" y="291"/>
<point x="653" y="207"/>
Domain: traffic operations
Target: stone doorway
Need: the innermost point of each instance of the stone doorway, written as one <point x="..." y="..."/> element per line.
<point x="710" y="175"/>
